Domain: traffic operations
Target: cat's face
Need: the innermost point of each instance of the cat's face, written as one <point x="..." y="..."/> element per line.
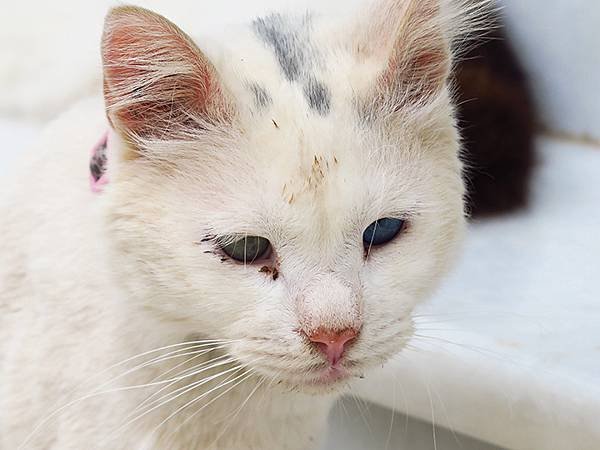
<point x="253" y="222"/>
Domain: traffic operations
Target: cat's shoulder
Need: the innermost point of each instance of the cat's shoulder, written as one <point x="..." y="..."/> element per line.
<point x="47" y="206"/>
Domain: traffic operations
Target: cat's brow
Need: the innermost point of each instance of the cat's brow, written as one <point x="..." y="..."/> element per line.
<point x="296" y="55"/>
<point x="317" y="95"/>
<point x="262" y="99"/>
<point x="289" y="41"/>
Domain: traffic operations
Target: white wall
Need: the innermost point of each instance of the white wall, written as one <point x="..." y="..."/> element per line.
<point x="559" y="43"/>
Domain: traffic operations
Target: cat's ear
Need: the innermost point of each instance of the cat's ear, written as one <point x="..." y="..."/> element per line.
<point x="157" y="83"/>
<point x="411" y="39"/>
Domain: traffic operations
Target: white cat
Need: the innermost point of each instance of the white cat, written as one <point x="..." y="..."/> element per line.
<point x="262" y="219"/>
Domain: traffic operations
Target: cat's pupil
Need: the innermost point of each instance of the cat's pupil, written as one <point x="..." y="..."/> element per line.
<point x="382" y="231"/>
<point x="247" y="249"/>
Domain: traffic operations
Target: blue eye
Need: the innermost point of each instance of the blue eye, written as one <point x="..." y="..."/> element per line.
<point x="382" y="231"/>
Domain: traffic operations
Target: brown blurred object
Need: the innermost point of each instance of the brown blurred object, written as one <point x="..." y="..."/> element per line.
<point x="497" y="122"/>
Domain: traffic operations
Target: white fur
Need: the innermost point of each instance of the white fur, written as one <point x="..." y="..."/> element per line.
<point x="89" y="280"/>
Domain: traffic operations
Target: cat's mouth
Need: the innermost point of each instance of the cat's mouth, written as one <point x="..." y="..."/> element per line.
<point x="313" y="372"/>
<point x="329" y="377"/>
<point x="325" y="379"/>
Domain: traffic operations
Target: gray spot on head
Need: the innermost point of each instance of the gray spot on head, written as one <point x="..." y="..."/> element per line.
<point x="318" y="96"/>
<point x="261" y="97"/>
<point x="289" y="40"/>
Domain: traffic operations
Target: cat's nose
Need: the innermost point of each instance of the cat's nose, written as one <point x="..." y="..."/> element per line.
<point x="332" y="343"/>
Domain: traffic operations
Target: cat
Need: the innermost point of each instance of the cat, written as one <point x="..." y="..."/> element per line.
<point x="497" y="120"/>
<point x="254" y="226"/>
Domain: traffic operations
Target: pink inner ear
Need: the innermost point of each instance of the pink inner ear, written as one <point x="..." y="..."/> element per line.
<point x="142" y="49"/>
<point x="98" y="164"/>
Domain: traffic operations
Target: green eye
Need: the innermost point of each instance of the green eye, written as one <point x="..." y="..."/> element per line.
<point x="247" y="249"/>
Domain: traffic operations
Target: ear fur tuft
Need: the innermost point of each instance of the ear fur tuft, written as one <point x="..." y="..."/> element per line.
<point x="416" y="39"/>
<point x="157" y="83"/>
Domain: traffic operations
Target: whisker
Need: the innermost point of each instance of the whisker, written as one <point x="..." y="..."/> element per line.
<point x="196" y="370"/>
<point x="389" y="434"/>
<point x="187" y="361"/>
<point x="237" y="412"/>
<point x="244" y="376"/>
<point x="148" y="411"/>
<point x="449" y="425"/>
<point x="272" y="378"/>
<point x="94" y="393"/>
<point x="241" y="378"/>
<point x="474" y="348"/>
<point x="433" y="425"/>
<point x="360" y="410"/>
<point x="138" y="386"/>
<point x="158" y="359"/>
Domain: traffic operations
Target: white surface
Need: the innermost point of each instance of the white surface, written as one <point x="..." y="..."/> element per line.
<point x="559" y="44"/>
<point x="509" y="350"/>
<point x="357" y="425"/>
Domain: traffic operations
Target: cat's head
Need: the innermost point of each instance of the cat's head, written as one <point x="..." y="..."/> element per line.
<point x="296" y="195"/>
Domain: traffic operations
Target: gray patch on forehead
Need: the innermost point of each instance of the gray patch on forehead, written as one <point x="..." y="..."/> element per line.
<point x="289" y="41"/>
<point x="261" y="97"/>
<point x="318" y="96"/>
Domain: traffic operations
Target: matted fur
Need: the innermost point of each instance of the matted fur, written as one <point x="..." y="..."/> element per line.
<point x="360" y="131"/>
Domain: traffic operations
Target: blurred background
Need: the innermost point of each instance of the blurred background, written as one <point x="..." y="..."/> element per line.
<point x="507" y="354"/>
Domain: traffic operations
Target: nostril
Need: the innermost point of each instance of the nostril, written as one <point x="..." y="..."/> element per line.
<point x="332" y="343"/>
<point x="332" y="337"/>
<point x="321" y="346"/>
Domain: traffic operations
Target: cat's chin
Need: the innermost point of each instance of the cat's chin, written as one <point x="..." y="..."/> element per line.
<point x="330" y="376"/>
<point x="333" y="380"/>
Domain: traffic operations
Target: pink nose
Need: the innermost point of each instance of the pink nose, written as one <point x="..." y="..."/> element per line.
<point x="332" y="343"/>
